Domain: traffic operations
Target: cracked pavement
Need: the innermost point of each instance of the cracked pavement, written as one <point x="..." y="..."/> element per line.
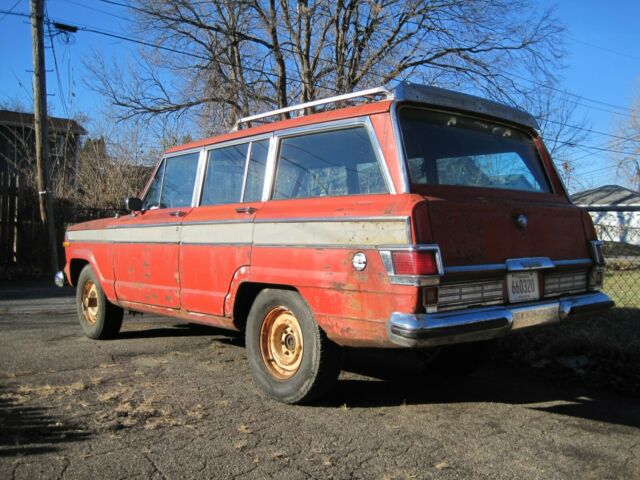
<point x="170" y="400"/>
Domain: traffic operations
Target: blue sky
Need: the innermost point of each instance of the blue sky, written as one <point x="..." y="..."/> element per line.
<point x="602" y="44"/>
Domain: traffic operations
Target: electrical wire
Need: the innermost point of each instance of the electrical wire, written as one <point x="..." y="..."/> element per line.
<point x="202" y="57"/>
<point x="63" y="100"/>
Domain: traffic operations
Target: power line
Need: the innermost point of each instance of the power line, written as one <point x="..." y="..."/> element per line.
<point x="111" y="14"/>
<point x="604" y="49"/>
<point x="10" y="11"/>
<point x="202" y="57"/>
<point x="589" y="130"/>
<point x="63" y="99"/>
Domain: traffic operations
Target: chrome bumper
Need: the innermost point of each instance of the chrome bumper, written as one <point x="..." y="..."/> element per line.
<point x="59" y="279"/>
<point x="433" y="329"/>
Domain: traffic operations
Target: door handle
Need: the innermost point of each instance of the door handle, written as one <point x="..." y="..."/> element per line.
<point x="246" y="210"/>
<point x="178" y="213"/>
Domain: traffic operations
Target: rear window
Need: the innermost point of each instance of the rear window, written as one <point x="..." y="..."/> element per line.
<point x="453" y="149"/>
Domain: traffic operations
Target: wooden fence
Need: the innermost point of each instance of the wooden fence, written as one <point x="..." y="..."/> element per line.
<point x="23" y="239"/>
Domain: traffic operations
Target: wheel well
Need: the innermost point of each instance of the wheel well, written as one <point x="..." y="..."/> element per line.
<point x="75" y="267"/>
<point x="246" y="294"/>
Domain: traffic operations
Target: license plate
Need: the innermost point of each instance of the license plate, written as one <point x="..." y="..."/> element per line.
<point x="523" y="286"/>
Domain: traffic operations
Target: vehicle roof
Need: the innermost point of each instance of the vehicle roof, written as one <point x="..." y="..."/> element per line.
<point x="405" y="92"/>
<point x="339" y="114"/>
<point x="441" y="97"/>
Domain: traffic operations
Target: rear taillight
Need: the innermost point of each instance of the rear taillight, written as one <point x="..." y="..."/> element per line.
<point x="417" y="262"/>
<point x="418" y="265"/>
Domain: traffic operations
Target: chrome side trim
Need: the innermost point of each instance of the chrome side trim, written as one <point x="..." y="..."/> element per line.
<point x="144" y="225"/>
<point x="315" y="245"/>
<point x="215" y="244"/>
<point x="433" y="329"/>
<point x="330" y="220"/>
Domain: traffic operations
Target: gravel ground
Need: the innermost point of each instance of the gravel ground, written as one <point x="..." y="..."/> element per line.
<point x="170" y="400"/>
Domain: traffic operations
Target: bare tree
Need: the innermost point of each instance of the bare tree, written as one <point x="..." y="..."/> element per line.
<point x="627" y="160"/>
<point x="218" y="60"/>
<point x="113" y="165"/>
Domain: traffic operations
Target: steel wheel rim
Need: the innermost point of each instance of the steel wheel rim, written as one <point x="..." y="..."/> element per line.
<point x="281" y="343"/>
<point x="90" y="303"/>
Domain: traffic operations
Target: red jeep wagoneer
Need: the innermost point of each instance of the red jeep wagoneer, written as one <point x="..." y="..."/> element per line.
<point x="424" y="219"/>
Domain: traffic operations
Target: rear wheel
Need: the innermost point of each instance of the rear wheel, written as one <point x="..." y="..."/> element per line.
<point x="98" y="318"/>
<point x="290" y="357"/>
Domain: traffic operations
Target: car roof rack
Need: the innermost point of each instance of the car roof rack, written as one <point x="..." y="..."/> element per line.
<point x="371" y="92"/>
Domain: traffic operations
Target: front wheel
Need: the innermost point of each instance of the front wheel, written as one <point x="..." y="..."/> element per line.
<point x="290" y="357"/>
<point x="99" y="319"/>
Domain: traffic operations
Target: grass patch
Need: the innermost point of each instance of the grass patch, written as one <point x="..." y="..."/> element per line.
<point x="603" y="351"/>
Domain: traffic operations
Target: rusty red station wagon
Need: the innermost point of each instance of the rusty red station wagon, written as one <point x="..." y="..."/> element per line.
<point x="421" y="218"/>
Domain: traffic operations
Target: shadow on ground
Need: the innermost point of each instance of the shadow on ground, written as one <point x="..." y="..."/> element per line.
<point x="29" y="430"/>
<point x="181" y="330"/>
<point x="396" y="380"/>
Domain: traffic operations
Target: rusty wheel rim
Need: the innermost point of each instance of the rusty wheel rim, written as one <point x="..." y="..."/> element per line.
<point x="90" y="303"/>
<point x="281" y="343"/>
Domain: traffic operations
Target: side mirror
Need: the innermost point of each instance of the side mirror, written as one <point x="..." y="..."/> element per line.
<point x="133" y="204"/>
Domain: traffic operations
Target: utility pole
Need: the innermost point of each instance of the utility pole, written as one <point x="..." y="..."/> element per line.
<point x="45" y="198"/>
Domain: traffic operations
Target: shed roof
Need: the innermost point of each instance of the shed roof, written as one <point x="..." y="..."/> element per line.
<point x="57" y="124"/>
<point x="606" y="195"/>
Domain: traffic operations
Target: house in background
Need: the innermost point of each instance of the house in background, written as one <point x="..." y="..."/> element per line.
<point x="615" y="211"/>
<point x="17" y="148"/>
<point x="22" y="251"/>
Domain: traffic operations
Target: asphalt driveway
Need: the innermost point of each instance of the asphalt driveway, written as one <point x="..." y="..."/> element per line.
<point x="169" y="400"/>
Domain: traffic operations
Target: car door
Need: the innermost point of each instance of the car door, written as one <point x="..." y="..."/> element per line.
<point x="146" y="253"/>
<point x="217" y="236"/>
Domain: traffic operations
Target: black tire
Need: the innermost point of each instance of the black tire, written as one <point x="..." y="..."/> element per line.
<point x="99" y="318"/>
<point x="312" y="371"/>
<point x="456" y="360"/>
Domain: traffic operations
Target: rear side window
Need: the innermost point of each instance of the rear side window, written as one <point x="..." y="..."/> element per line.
<point x="224" y="175"/>
<point x="452" y="149"/>
<point x="333" y="163"/>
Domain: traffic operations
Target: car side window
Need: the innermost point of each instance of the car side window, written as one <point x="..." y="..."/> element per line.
<point x="333" y="163"/>
<point x="224" y="175"/>
<point x="152" y="198"/>
<point x="179" y="180"/>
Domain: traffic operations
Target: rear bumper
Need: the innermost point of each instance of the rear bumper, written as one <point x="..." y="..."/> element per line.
<point x="447" y="328"/>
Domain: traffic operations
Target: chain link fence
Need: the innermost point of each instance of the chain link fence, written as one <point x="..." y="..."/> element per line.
<point x="620" y="234"/>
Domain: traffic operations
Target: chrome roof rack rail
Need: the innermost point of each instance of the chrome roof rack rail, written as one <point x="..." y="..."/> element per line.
<point x="372" y="92"/>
